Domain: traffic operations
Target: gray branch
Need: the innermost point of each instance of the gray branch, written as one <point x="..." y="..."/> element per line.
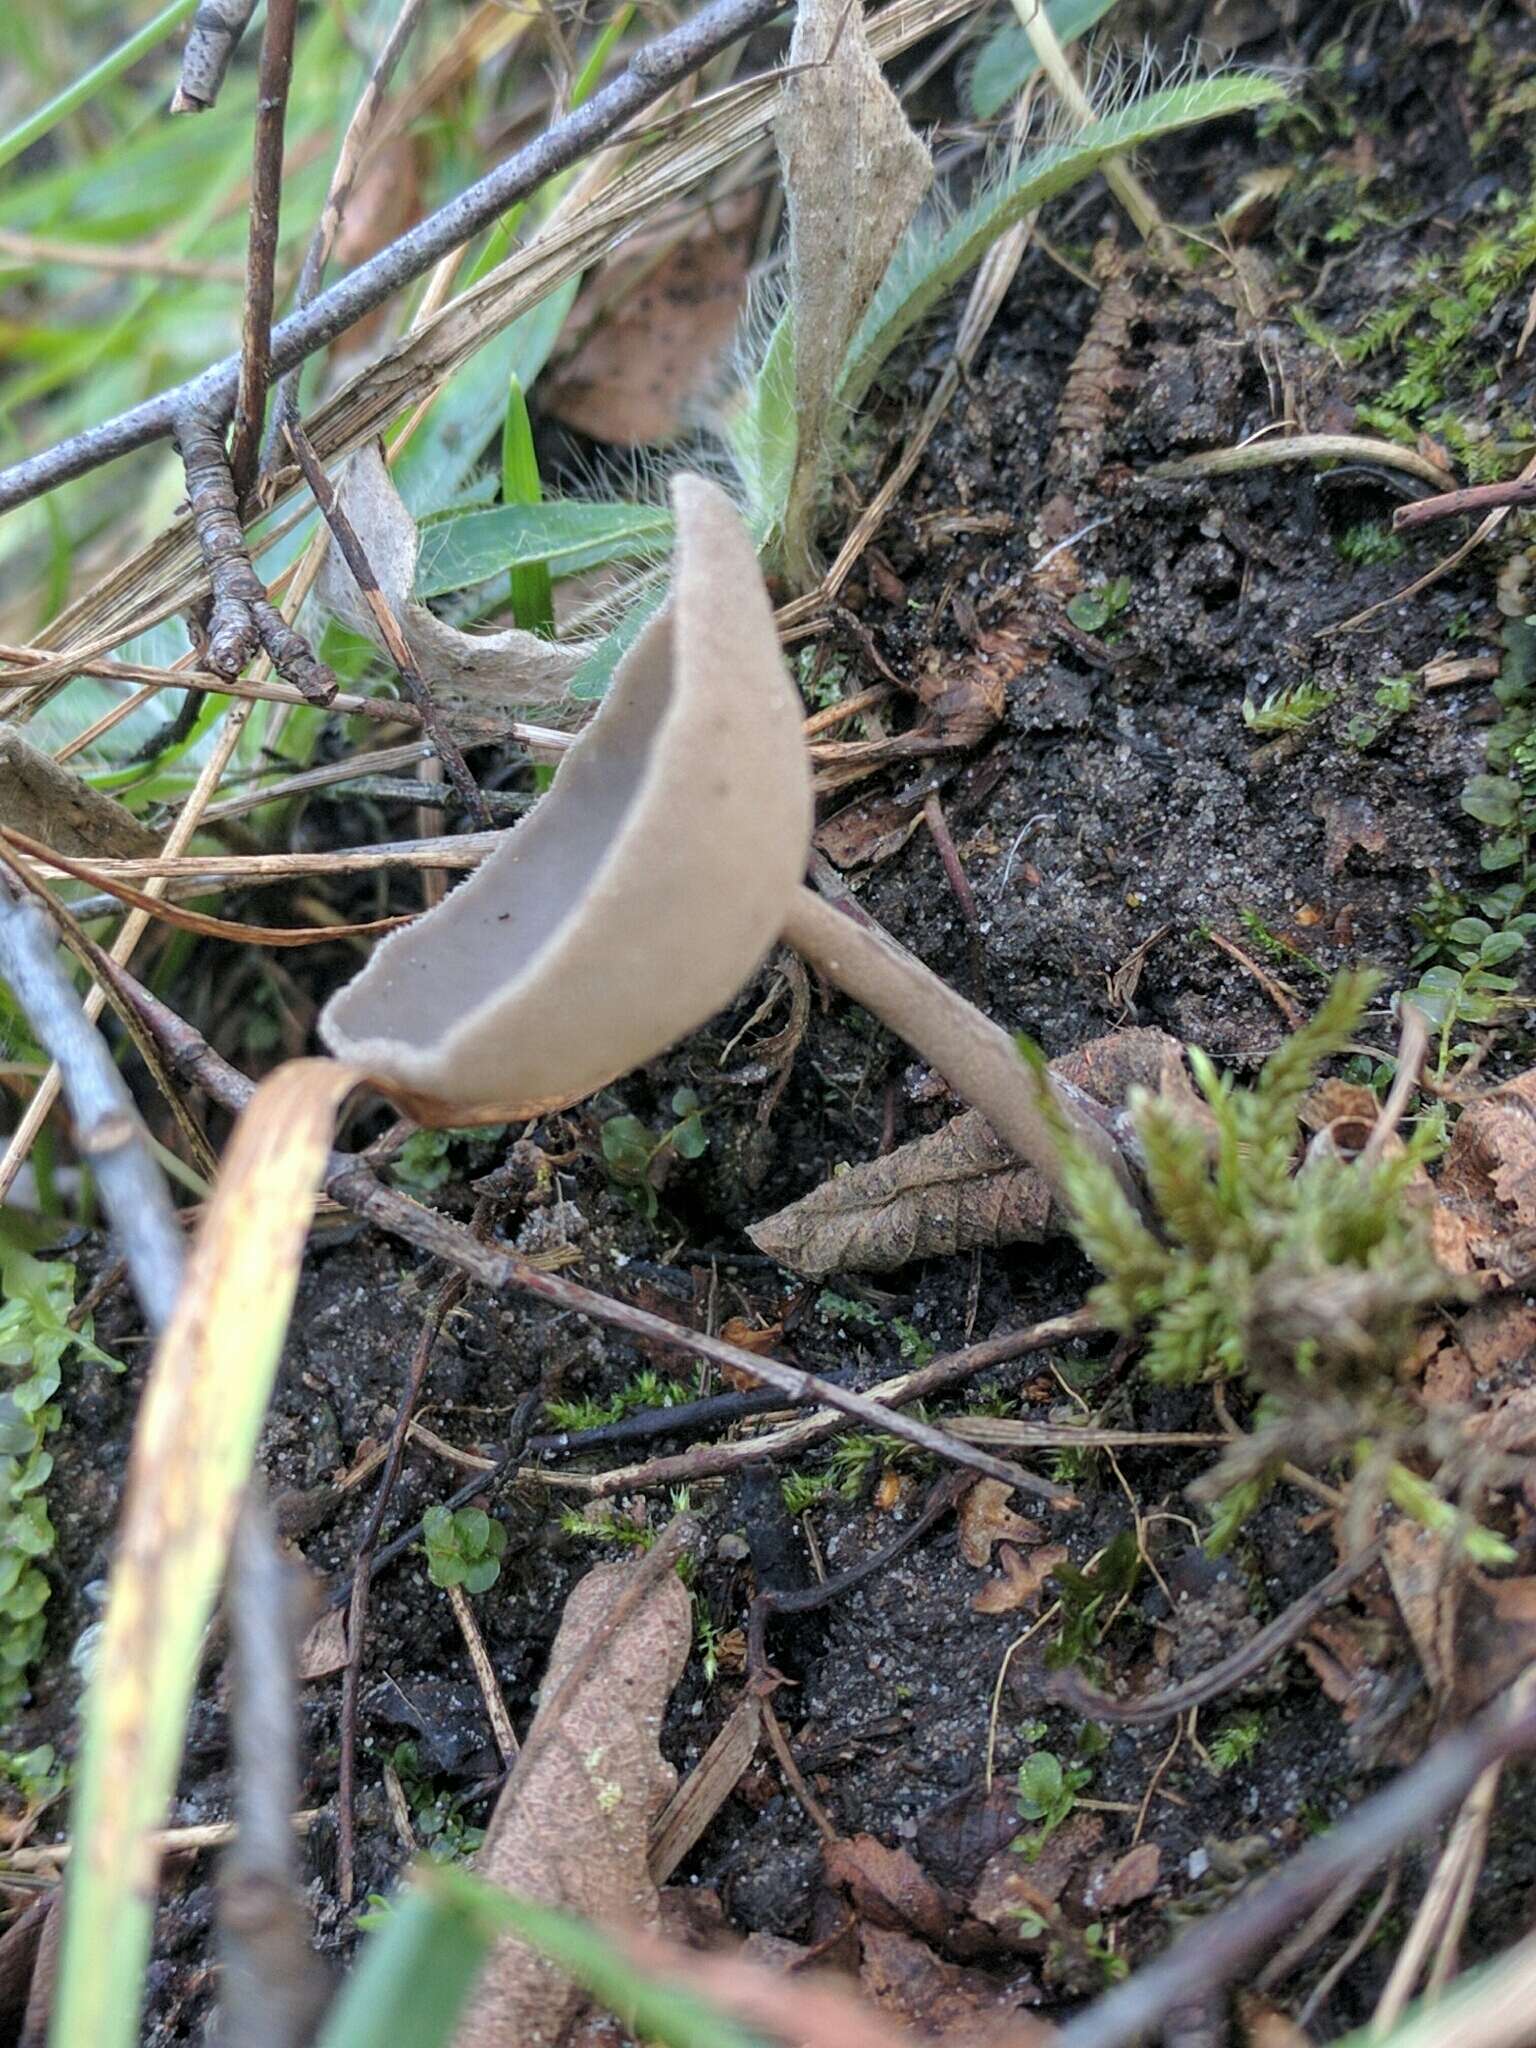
<point x="653" y="71"/>
<point x="108" y="1130"/>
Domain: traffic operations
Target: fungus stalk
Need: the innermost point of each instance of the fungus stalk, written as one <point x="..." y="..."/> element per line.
<point x="980" y="1061"/>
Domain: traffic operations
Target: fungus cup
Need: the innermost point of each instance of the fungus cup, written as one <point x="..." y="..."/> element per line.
<point x="649" y="885"/>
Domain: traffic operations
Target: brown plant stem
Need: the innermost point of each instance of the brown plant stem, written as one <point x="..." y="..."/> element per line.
<point x="275" y="77"/>
<point x="355" y="555"/>
<point x="1072" y="1689"/>
<point x="350" y="1182"/>
<point x="349" y="161"/>
<point x="241" y="617"/>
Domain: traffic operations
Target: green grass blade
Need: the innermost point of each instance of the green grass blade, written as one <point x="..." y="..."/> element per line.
<point x="926" y="267"/>
<point x="442" y="1930"/>
<point x="194" y="1442"/>
<point x="565" y="534"/>
<point x="1007" y="60"/>
<point x="415" y="1972"/>
<point x="533" y="605"/>
<point x="113" y="65"/>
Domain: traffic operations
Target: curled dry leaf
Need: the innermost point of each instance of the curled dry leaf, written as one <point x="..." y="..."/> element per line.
<point x="652" y="327"/>
<point x="941" y="2000"/>
<point x="470" y="672"/>
<point x="887" y="1886"/>
<point x="1133" y="1877"/>
<point x="985" y="1519"/>
<point x="1485" y="1215"/>
<point x="46" y="801"/>
<point x="573" y="1827"/>
<point x="962" y="1186"/>
<point x="854" y="175"/>
<point x="1021" y="1581"/>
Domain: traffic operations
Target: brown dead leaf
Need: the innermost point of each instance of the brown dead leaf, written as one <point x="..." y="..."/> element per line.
<point x="957" y="1839"/>
<point x="1496" y="1639"/>
<point x="961" y="1187"/>
<point x="1485" y="1214"/>
<point x="51" y="803"/>
<point x="854" y="175"/>
<point x="572" y="1827"/>
<point x="812" y="2008"/>
<point x="1348" y="822"/>
<point x="763" y="1339"/>
<point x="886" y="1886"/>
<point x="1021" y="1580"/>
<point x="942" y="2001"/>
<point x="1134" y="1877"/>
<point x="324" y="1650"/>
<point x="1010" y="1885"/>
<point x="864" y="833"/>
<point x="653" y="326"/>
<point x="1342" y="1665"/>
<point x="985" y="1518"/>
<point x="1265" y="2026"/>
<point x="1426" y="1575"/>
<point x="385" y="201"/>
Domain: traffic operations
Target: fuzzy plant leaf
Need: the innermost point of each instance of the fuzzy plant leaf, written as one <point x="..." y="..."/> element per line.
<point x="854" y="176"/>
<point x="928" y="265"/>
<point x="1007" y="61"/>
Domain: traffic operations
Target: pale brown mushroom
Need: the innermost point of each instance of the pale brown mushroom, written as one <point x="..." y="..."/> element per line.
<point x="649" y="885"/>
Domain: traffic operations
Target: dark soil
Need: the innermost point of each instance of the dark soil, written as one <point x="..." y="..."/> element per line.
<point x="1118" y="818"/>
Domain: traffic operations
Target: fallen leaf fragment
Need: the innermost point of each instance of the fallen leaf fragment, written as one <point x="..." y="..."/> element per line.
<point x="476" y="672"/>
<point x="961" y="1187"/>
<point x="1021" y="1581"/>
<point x="986" y="1519"/>
<point x="887" y="1886"/>
<point x="1485" y="1214"/>
<point x="324" y="1649"/>
<point x="942" y="2001"/>
<point x="854" y="175"/>
<point x="653" y="326"/>
<point x="572" y="1828"/>
<point x="50" y="802"/>
<point x="1134" y="1877"/>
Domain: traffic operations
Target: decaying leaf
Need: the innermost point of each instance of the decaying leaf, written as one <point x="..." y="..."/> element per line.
<point x="1011" y="1888"/>
<point x="324" y="1649"/>
<point x="653" y="326"/>
<point x="1023" y="1576"/>
<point x="573" y="1827"/>
<point x="1485" y="1215"/>
<point x="1426" y="1571"/>
<point x="941" y="2001"/>
<point x="986" y="1519"/>
<point x="48" y="802"/>
<point x="854" y="175"/>
<point x="887" y="1886"/>
<point x="474" y="672"/>
<point x="960" y="1187"/>
<point x="1134" y="1876"/>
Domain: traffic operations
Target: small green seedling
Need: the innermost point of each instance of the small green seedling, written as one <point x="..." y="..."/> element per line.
<point x="1235" y="1742"/>
<point x="631" y="1153"/>
<point x="464" y="1547"/>
<point x="1047" y="1793"/>
<point x="1092" y="610"/>
<point x="1089" y="1599"/>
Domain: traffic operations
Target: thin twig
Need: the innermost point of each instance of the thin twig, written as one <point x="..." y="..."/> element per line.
<point x="656" y="68"/>
<point x="275" y="77"/>
<point x="349" y="159"/>
<point x="347" y="538"/>
<point x="273" y="1986"/>
<point x="109" y="1133"/>
<point x="485" y="1674"/>
<point x="1212" y="1954"/>
<point x="1476" y="498"/>
<point x="1071" y="1688"/>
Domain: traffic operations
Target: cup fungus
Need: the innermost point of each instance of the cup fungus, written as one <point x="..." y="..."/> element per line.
<point x="648" y="886"/>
